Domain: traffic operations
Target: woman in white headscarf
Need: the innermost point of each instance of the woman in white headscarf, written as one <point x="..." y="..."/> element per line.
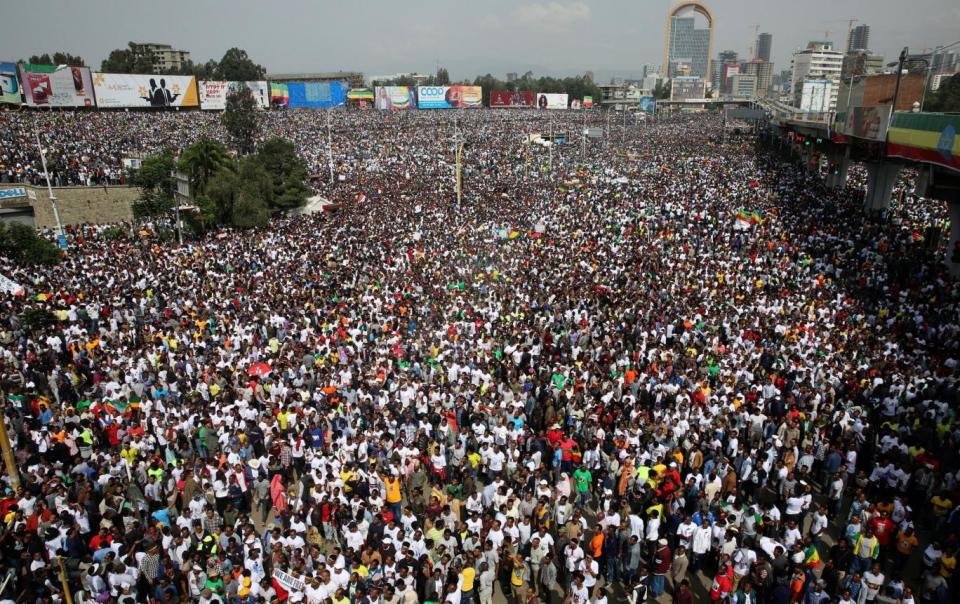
<point x="563" y="486"/>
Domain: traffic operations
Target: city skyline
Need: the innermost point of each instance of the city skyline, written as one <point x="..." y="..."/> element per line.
<point x="611" y="38"/>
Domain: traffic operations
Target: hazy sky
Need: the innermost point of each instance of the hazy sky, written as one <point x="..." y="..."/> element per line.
<point x="469" y="38"/>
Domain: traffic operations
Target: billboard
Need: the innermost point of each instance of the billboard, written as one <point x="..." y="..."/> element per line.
<point x="9" y="85"/>
<point x="147" y="90"/>
<point x="53" y="86"/>
<point x="316" y="95"/>
<point x="449" y="97"/>
<point x="647" y="104"/>
<point x="517" y="98"/>
<point x="815" y="95"/>
<point x="588" y="101"/>
<point x="546" y="100"/>
<point x="395" y="97"/>
<point x="213" y="93"/>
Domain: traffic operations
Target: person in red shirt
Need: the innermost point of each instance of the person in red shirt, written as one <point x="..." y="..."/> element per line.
<point x="722" y="584"/>
<point x="884" y="529"/>
<point x="101" y="540"/>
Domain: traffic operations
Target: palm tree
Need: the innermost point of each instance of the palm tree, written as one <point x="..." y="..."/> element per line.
<point x="202" y="160"/>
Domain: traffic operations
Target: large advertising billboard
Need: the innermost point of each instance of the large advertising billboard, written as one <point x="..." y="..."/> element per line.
<point x="213" y="93"/>
<point x="9" y="85"/>
<point x="815" y="96"/>
<point x="647" y="104"/>
<point x="53" y="86"/>
<point x="548" y="100"/>
<point x="317" y="95"/>
<point x="449" y="97"/>
<point x="516" y="98"/>
<point x="395" y="97"/>
<point x="135" y="90"/>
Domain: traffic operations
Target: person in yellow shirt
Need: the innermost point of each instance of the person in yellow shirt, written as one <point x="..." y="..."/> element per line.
<point x="948" y="563"/>
<point x="468" y="576"/>
<point x="393" y="492"/>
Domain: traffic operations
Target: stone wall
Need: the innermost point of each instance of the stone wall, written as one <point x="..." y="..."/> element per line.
<point x="77" y="205"/>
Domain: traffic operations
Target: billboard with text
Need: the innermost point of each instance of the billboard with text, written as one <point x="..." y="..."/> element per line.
<point x="213" y="93"/>
<point x="395" y="97"/>
<point x="548" y="100"/>
<point x="9" y="84"/>
<point x="53" y="86"/>
<point x="147" y="90"/>
<point x="449" y="97"/>
<point x="516" y="98"/>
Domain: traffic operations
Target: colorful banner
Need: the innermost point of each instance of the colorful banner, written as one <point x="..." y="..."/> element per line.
<point x="395" y="97"/>
<point x="317" y="95"/>
<point x="588" y="101"/>
<point x="53" y="86"/>
<point x="213" y="93"/>
<point x="9" y="84"/>
<point x="547" y="100"/>
<point x="135" y="90"/>
<point x="517" y="98"/>
<point x="925" y="137"/>
<point x="360" y="94"/>
<point x="449" y="97"/>
<point x="647" y="104"/>
<point x="279" y="95"/>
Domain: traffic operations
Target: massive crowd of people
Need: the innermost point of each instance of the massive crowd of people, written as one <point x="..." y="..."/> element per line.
<point x="663" y="365"/>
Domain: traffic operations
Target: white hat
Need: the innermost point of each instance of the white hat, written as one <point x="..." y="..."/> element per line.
<point x="662" y="542"/>
<point x="254" y="463"/>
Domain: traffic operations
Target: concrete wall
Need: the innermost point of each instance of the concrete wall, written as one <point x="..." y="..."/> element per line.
<point x="77" y="205"/>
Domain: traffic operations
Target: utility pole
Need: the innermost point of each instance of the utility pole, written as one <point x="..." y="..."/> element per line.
<point x="67" y="596"/>
<point x="8" y="460"/>
<point x="583" y="140"/>
<point x="550" y="165"/>
<point x="329" y="147"/>
<point x="459" y="157"/>
<point x="53" y="198"/>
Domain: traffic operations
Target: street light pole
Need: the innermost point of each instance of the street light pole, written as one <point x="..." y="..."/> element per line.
<point x="896" y="90"/>
<point x="46" y="175"/>
<point x="550" y="165"/>
<point x="329" y="147"/>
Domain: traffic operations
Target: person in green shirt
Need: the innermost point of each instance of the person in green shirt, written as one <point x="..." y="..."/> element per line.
<point x="583" y="479"/>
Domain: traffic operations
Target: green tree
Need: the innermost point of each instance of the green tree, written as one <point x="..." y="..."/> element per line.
<point x="241" y="118"/>
<point x="250" y="210"/>
<point x="442" y="78"/>
<point x="201" y="160"/>
<point x="217" y="201"/>
<point x="127" y="60"/>
<point x="58" y="58"/>
<point x="662" y="90"/>
<point x="288" y="174"/>
<point x="947" y="98"/>
<point x="236" y="65"/>
<point x="24" y="246"/>
<point x="156" y="182"/>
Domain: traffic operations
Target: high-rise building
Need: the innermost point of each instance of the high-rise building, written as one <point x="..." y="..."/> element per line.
<point x="743" y="86"/>
<point x="762" y="71"/>
<point x="763" y="45"/>
<point x="818" y="61"/>
<point x="163" y="56"/>
<point x="686" y="48"/>
<point x="512" y="76"/>
<point x="720" y="70"/>
<point x="859" y="38"/>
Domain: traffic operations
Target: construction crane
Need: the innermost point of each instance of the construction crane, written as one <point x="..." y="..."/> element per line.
<point x="849" y="22"/>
